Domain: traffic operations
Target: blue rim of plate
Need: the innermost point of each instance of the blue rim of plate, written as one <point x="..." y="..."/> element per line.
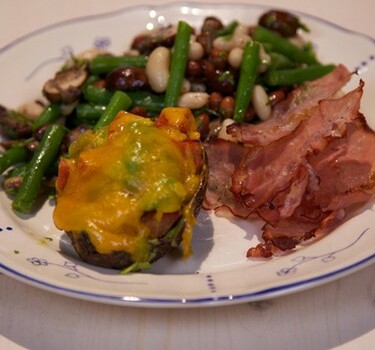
<point x="261" y="294"/>
<point x="182" y="4"/>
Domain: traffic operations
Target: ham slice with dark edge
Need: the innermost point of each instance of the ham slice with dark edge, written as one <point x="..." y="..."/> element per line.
<point x="303" y="184"/>
<point x="342" y="179"/>
<point x="267" y="173"/>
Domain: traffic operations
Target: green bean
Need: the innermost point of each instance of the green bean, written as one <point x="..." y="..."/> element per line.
<point x="105" y="64"/>
<point x="279" y="61"/>
<point x="119" y="101"/>
<point x="97" y="95"/>
<point x="13" y="156"/>
<point x="297" y="75"/>
<point x="228" y="30"/>
<point x="248" y="74"/>
<point x="86" y="112"/>
<point x="178" y="64"/>
<point x="49" y="115"/>
<point x="283" y="46"/>
<point x="90" y="80"/>
<point x="150" y="101"/>
<point x="42" y="159"/>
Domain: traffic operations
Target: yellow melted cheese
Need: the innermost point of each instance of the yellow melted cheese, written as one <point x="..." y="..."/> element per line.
<point x="119" y="173"/>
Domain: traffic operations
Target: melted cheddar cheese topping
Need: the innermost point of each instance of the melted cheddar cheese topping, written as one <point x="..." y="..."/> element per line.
<point x="115" y="175"/>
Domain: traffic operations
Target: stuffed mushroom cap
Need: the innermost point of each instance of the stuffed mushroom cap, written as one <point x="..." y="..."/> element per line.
<point x="130" y="192"/>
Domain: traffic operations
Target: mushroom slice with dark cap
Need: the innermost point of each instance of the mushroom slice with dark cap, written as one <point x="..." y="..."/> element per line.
<point x="65" y="87"/>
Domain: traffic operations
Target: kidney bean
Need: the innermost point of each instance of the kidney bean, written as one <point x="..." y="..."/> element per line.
<point x="203" y="122"/>
<point x="277" y="96"/>
<point x="250" y="114"/>
<point x="193" y="69"/>
<point x="139" y="110"/>
<point x="281" y="22"/>
<point x="218" y="58"/>
<point x="127" y="78"/>
<point x="215" y="100"/>
<point x="220" y="81"/>
<point x="226" y="107"/>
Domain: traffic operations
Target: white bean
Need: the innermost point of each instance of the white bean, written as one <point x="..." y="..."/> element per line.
<point x="157" y="68"/>
<point x="132" y="52"/>
<point x="235" y="57"/>
<point x="265" y="59"/>
<point x="298" y="41"/>
<point x="223" y="131"/>
<point x="222" y="44"/>
<point x="186" y="86"/>
<point x="261" y="102"/>
<point x="193" y="100"/>
<point x="196" y="51"/>
<point x="238" y="39"/>
<point x="241" y="29"/>
<point x="31" y="110"/>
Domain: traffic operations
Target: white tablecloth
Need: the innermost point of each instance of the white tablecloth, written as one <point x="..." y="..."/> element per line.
<point x="340" y="314"/>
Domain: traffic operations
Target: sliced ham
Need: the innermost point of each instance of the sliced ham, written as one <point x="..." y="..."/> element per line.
<point x="266" y="172"/>
<point x="223" y="157"/>
<point x="287" y="115"/>
<point x="346" y="173"/>
<point x="303" y="184"/>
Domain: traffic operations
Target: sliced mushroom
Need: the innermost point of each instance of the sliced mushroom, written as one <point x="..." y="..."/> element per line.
<point x="12" y="184"/>
<point x="14" y="125"/>
<point x="210" y="27"/>
<point x="65" y="87"/>
<point x="148" y="41"/>
<point x="31" y="110"/>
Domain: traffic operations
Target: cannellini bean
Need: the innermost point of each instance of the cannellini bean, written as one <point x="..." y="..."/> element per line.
<point x="241" y="29"/>
<point x="31" y="110"/>
<point x="157" y="68"/>
<point x="193" y="100"/>
<point x="132" y="52"/>
<point x="261" y="103"/>
<point x="235" y="57"/>
<point x="298" y="41"/>
<point x="186" y="86"/>
<point x="223" y="131"/>
<point x="196" y="51"/>
<point x="265" y="59"/>
<point x="238" y="39"/>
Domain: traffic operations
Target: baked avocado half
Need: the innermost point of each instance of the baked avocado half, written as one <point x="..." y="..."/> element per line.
<point x="129" y="192"/>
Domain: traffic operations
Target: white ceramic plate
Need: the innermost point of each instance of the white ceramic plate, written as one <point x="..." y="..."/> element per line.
<point x="33" y="251"/>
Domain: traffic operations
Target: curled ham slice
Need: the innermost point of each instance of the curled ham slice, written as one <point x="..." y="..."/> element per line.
<point x="303" y="184"/>
<point x="265" y="173"/>
<point x="287" y="115"/>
